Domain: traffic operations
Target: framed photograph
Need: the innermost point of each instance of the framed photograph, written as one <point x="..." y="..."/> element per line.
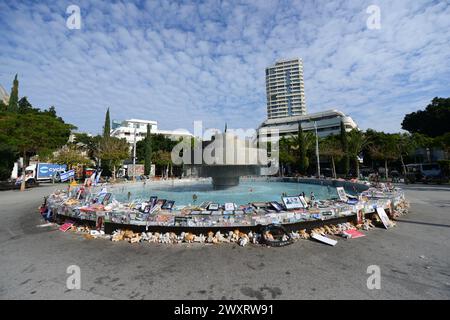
<point x="341" y="194"/>
<point x="160" y="202"/>
<point x="260" y="205"/>
<point x="383" y="217"/>
<point x="229" y="206"/>
<point x="147" y="209"/>
<point x="205" y="204"/>
<point x="168" y="205"/>
<point x="181" y="221"/>
<point x="248" y="210"/>
<point x="152" y="201"/>
<point x="276" y="205"/>
<point x="213" y="206"/>
<point x="292" y="202"/>
<point x="104" y="198"/>
<point x="303" y="201"/>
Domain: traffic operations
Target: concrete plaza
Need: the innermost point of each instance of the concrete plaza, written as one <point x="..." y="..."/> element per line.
<point x="414" y="259"/>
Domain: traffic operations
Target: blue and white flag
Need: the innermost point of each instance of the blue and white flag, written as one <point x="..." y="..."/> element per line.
<point x="67" y="175"/>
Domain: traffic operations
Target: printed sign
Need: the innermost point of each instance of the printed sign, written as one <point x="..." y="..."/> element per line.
<point x="292" y="202"/>
<point x="47" y="170"/>
<point x="66" y="226"/>
<point x="67" y="175"/>
<point x="341" y="193"/>
<point x="323" y="239"/>
<point x="354" y="234"/>
<point x="384" y="218"/>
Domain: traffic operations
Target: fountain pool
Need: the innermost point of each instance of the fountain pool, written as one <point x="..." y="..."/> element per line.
<point x="247" y="191"/>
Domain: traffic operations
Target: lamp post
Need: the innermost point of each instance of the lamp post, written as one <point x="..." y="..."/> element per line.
<point x="317" y="150"/>
<point x="134" y="155"/>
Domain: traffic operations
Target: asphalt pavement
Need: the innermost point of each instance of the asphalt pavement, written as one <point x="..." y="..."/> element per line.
<point x="413" y="259"/>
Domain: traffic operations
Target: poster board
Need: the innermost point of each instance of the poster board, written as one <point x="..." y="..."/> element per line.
<point x="66" y="226"/>
<point x="383" y="217"/>
<point x="303" y="201"/>
<point x="323" y="239"/>
<point x="229" y="206"/>
<point x="341" y="194"/>
<point x="292" y="202"/>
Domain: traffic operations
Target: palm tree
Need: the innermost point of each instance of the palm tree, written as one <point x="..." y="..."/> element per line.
<point x="356" y="142"/>
<point x="331" y="147"/>
<point x="383" y="146"/>
<point x="302" y="143"/>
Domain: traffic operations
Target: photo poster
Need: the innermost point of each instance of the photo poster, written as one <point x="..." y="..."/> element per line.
<point x="152" y="201"/>
<point x="277" y="206"/>
<point x="205" y="204"/>
<point x="383" y="217"/>
<point x="303" y="201"/>
<point x="213" y="207"/>
<point x="229" y="206"/>
<point x="106" y="198"/>
<point x="66" y="226"/>
<point x="341" y="193"/>
<point x="158" y="205"/>
<point x="323" y="239"/>
<point x="292" y="202"/>
<point x="168" y="205"/>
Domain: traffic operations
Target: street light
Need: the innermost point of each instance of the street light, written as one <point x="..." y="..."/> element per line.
<point x="134" y="155"/>
<point x="317" y="150"/>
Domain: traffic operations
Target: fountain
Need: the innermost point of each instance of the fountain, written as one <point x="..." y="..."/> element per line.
<point x="225" y="158"/>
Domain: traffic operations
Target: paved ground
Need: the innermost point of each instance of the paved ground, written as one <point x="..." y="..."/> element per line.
<point x="414" y="259"/>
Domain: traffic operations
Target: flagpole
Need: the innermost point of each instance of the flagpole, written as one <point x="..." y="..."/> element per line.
<point x="317" y="150"/>
<point x="134" y="155"/>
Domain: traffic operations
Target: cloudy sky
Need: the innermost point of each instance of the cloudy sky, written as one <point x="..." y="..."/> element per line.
<point x="176" y="62"/>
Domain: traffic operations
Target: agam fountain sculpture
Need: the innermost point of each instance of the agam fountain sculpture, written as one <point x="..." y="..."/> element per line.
<point x="225" y="158"/>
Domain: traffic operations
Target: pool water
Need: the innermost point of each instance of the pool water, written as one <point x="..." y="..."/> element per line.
<point x="244" y="193"/>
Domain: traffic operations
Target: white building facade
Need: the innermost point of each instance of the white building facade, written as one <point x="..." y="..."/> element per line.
<point x="327" y="122"/>
<point x="126" y="130"/>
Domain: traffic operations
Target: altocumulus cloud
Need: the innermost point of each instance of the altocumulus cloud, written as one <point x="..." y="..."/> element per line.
<point x="177" y="62"/>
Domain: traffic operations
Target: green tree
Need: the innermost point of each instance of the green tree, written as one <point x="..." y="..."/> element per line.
<point x="148" y="152"/>
<point x="344" y="143"/>
<point x="114" y="151"/>
<point x="302" y="144"/>
<point x="3" y="106"/>
<point x="14" y="96"/>
<point x="405" y="145"/>
<point x="32" y="133"/>
<point x="107" y="125"/>
<point x="433" y="121"/>
<point x="331" y="147"/>
<point x="71" y="156"/>
<point x="383" y="147"/>
<point x="356" y="140"/>
<point x="89" y="144"/>
<point x="286" y="156"/>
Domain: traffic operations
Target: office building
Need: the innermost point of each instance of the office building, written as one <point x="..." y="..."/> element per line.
<point x="285" y="89"/>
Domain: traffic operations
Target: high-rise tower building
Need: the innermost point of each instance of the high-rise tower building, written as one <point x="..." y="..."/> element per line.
<point x="285" y="89"/>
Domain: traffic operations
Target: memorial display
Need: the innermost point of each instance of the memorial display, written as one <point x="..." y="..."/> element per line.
<point x="100" y="215"/>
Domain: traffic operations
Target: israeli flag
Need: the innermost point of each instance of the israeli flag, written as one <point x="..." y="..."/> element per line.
<point x="97" y="177"/>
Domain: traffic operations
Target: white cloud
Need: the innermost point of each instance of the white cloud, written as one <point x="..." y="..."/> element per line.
<point x="177" y="63"/>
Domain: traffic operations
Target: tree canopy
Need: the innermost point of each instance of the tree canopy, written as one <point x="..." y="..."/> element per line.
<point x="433" y="121"/>
<point x="27" y="131"/>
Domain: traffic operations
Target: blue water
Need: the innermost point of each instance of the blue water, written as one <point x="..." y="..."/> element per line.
<point x="245" y="192"/>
